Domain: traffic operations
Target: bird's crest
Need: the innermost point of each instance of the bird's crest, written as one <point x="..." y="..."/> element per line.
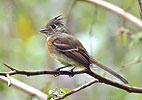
<point x="57" y="20"/>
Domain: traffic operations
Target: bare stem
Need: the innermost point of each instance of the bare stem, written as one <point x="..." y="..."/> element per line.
<point x="140" y="7"/>
<point x="24" y="87"/>
<point x="116" y="10"/>
<point x="77" y="89"/>
<point x="130" y="63"/>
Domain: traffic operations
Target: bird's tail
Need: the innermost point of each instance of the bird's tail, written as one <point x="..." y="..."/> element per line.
<point x="108" y="70"/>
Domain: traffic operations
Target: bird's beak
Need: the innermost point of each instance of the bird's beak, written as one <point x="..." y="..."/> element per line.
<point x="45" y="30"/>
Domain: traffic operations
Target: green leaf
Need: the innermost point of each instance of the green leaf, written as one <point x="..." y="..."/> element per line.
<point x="136" y="39"/>
<point x="54" y="93"/>
<point x="66" y="90"/>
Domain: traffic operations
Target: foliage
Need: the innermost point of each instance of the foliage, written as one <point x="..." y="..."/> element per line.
<point x="129" y="38"/>
<point x="54" y="93"/>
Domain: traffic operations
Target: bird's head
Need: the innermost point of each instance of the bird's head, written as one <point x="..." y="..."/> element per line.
<point x="55" y="26"/>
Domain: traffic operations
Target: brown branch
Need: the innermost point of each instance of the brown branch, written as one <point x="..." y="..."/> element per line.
<point x="140" y="7"/>
<point x="77" y="89"/>
<point x="100" y="78"/>
<point x="115" y="84"/>
<point x="38" y="72"/>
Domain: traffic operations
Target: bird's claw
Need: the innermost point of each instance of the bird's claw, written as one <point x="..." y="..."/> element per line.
<point x="71" y="72"/>
<point x="58" y="72"/>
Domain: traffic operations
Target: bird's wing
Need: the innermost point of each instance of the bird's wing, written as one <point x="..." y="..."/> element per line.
<point x="72" y="48"/>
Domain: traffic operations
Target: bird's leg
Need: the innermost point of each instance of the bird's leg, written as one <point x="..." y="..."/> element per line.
<point x="72" y="73"/>
<point x="58" y="69"/>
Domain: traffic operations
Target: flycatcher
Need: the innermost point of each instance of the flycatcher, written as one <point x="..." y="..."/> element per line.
<point x="68" y="50"/>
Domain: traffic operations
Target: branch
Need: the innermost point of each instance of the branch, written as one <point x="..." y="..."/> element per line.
<point x="140" y="7"/>
<point x="77" y="89"/>
<point x="38" y="72"/>
<point x="106" y="81"/>
<point x="138" y="60"/>
<point x="24" y="87"/>
<point x="125" y="87"/>
<point x="115" y="84"/>
<point x="116" y="10"/>
<point x="100" y="78"/>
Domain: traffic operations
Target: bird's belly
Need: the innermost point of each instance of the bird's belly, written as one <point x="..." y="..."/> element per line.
<point x="65" y="60"/>
<point x="59" y="56"/>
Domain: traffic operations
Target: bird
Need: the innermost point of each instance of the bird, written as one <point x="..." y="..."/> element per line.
<point x="64" y="47"/>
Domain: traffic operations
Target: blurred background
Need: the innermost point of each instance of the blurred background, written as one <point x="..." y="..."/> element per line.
<point x="103" y="34"/>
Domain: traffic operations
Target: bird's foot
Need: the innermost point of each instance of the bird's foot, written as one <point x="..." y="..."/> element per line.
<point x="71" y="72"/>
<point x="58" y="70"/>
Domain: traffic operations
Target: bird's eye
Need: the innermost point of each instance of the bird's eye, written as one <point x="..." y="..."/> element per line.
<point x="53" y="26"/>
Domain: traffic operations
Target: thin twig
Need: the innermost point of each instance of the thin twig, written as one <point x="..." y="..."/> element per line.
<point x="94" y="19"/>
<point x="70" y="12"/>
<point x="130" y="63"/>
<point x="10" y="67"/>
<point x="77" y="89"/>
<point x="116" y="10"/>
<point x="130" y="6"/>
<point x="140" y="7"/>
